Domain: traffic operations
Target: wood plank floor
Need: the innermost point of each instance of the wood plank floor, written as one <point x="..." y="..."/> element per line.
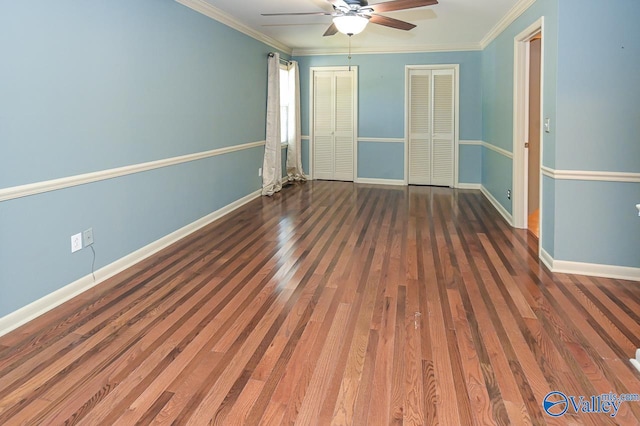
<point x="332" y="303"/>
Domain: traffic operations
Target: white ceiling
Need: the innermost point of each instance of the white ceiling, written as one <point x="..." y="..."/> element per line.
<point x="449" y="25"/>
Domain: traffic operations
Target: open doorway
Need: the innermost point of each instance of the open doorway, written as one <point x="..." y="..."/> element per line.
<point x="532" y="146"/>
<point x="527" y="130"/>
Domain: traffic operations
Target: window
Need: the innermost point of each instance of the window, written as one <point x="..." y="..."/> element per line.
<point x="286" y="93"/>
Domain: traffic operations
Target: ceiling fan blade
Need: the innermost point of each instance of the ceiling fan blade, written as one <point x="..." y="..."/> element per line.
<point x="391" y="22"/>
<point x="331" y="30"/>
<point x="339" y="3"/>
<point x="298" y="14"/>
<point x="390" y="6"/>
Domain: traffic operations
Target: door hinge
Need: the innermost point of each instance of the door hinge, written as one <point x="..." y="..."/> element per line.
<point x="526" y="144"/>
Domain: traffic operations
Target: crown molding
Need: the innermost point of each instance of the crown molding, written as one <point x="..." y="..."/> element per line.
<point x="201" y="6"/>
<point x="513" y="14"/>
<point x="205" y="8"/>
<point x="384" y="50"/>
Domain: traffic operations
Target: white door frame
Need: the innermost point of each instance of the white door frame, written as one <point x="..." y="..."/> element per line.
<point x="521" y="123"/>
<point x="456" y="127"/>
<point x="354" y="70"/>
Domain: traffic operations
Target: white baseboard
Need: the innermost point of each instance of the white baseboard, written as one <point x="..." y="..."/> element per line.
<point x="596" y="270"/>
<point x="590" y="269"/>
<point x="372" y="181"/>
<point x="25" y="314"/>
<point x="546" y="259"/>
<point x="636" y="361"/>
<point x="469" y="186"/>
<point x="507" y="216"/>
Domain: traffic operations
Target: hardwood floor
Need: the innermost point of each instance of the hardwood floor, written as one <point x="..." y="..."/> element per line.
<point x="332" y="303"/>
<point x="533" y="223"/>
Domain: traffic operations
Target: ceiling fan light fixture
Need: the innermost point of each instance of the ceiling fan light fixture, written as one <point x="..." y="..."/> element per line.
<point x="350" y="24"/>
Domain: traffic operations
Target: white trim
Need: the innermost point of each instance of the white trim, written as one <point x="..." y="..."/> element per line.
<point x="305" y="137"/>
<point x="497" y="205"/>
<point x="516" y="11"/>
<point x="497" y="149"/>
<point x="456" y="130"/>
<point x="68" y="182"/>
<point x="425" y="48"/>
<point x="546" y="259"/>
<point x="205" y="8"/>
<point x="382" y="140"/>
<point x="25" y="314"/>
<point x="546" y="171"/>
<point x="470" y="142"/>
<point x="354" y="70"/>
<point x="283" y="145"/>
<point x="636" y="361"/>
<point x="591" y="175"/>
<point x="590" y="269"/>
<point x="520" y="177"/>
<point x="375" y="181"/>
<point x="477" y="186"/>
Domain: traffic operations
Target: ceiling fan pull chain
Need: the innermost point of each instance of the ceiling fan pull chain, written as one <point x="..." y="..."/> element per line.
<point x="350" y="51"/>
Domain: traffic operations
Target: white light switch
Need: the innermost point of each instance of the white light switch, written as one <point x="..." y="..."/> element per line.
<point x="547" y="125"/>
<point x="638" y="207"/>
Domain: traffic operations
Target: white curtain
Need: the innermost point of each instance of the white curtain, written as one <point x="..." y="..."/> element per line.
<point x="272" y="164"/>
<point x="294" y="139"/>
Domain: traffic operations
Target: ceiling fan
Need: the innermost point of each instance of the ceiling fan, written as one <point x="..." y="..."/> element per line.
<point x="352" y="16"/>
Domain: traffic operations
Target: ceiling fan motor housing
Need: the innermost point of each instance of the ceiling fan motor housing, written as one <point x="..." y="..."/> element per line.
<point x="357" y="2"/>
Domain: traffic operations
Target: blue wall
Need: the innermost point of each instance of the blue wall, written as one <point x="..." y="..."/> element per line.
<point x="88" y="86"/>
<point x="598" y="123"/>
<point x="381" y="160"/>
<point x="381" y="104"/>
<point x="597" y="222"/>
<point x="470" y="164"/>
<point x="599" y="86"/>
<point x="497" y="105"/>
<point x="592" y="96"/>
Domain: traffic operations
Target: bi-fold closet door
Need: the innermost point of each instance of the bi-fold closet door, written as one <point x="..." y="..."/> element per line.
<point x="334" y="123"/>
<point x="431" y="126"/>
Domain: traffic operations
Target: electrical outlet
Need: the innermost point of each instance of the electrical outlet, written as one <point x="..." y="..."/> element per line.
<point x="76" y="242"/>
<point x="508" y="194"/>
<point x="260" y="171"/>
<point x="87" y="237"/>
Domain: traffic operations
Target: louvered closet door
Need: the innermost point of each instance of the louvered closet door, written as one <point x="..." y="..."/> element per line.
<point x="323" y="124"/>
<point x="333" y="125"/>
<point x="420" y="127"/>
<point x="431" y="124"/>
<point x="344" y="126"/>
<point x="443" y="128"/>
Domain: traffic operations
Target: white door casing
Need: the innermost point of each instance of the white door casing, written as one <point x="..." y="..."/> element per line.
<point x="431" y="125"/>
<point x="521" y="126"/>
<point x="333" y="123"/>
